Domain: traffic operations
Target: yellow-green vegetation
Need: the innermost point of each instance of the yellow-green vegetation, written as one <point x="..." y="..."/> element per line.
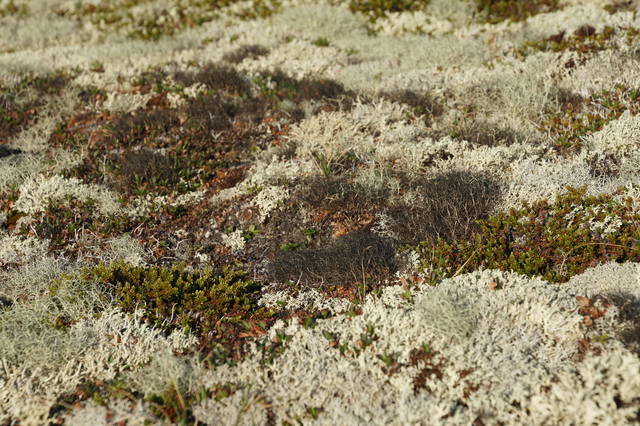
<point x="175" y="297"/>
<point x="620" y="6"/>
<point x="376" y="9"/>
<point x="581" y="117"/>
<point x="139" y="22"/>
<point x="495" y="11"/>
<point x="552" y="240"/>
<point x="584" y="40"/>
<point x="11" y="8"/>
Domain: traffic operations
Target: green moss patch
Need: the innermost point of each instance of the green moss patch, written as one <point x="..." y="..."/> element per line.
<point x="495" y="11"/>
<point x="552" y="240"/>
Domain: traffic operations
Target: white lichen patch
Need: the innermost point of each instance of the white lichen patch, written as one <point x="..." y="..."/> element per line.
<point x="234" y="241"/>
<point x="269" y="199"/>
<point x="37" y="192"/>
<point x="14" y="249"/>
<point x="309" y="299"/>
<point x="40" y="362"/>
<point x="144" y="205"/>
<point x="506" y="336"/>
<point x="619" y="136"/>
<point x="127" y="249"/>
<point x="125" y="102"/>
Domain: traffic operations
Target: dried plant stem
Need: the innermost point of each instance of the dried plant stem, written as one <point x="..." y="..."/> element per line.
<point x="588" y="244"/>
<point x="465" y="263"/>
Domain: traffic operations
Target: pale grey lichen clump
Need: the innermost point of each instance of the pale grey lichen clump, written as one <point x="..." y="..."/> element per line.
<point x="515" y="337"/>
<point x="491" y="346"/>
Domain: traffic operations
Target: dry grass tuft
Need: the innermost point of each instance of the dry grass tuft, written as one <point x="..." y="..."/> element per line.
<point x="361" y="257"/>
<point x="250" y="51"/>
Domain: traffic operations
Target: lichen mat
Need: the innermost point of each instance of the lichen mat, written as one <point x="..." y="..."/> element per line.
<point x="319" y="212"/>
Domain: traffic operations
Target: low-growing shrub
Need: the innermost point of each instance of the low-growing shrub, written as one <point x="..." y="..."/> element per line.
<point x="495" y="11"/>
<point x="375" y="9"/>
<point x="580" y="117"/>
<point x="552" y="240"/>
<point x="66" y="224"/>
<point x="585" y="40"/>
<point x="174" y="297"/>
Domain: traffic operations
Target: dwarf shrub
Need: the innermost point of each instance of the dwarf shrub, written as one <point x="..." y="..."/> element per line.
<point x="496" y="11"/>
<point x="552" y="240"/>
<point x="378" y="8"/>
<point x="174" y="297"/>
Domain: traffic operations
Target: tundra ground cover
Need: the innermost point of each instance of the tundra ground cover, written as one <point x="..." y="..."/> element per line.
<point x="334" y="212"/>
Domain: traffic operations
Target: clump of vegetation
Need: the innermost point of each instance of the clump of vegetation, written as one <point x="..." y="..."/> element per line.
<point x="11" y="8"/>
<point x="620" y="6"/>
<point x="160" y="22"/>
<point x="216" y="77"/>
<point x="376" y="9"/>
<point x="18" y="110"/>
<point x="552" y="240"/>
<point x="177" y="298"/>
<point x="357" y="229"/>
<point x="580" y="117"/>
<point x="297" y="91"/>
<point x="359" y="257"/>
<point x="70" y="225"/>
<point x="483" y="133"/>
<point x="584" y="40"/>
<point x="422" y="104"/>
<point x="450" y="204"/>
<point x="249" y="51"/>
<point x="495" y="11"/>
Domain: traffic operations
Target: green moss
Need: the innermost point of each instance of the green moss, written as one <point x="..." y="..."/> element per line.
<point x="495" y="11"/>
<point x="321" y="42"/>
<point x="554" y="241"/>
<point x="174" y="297"/>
